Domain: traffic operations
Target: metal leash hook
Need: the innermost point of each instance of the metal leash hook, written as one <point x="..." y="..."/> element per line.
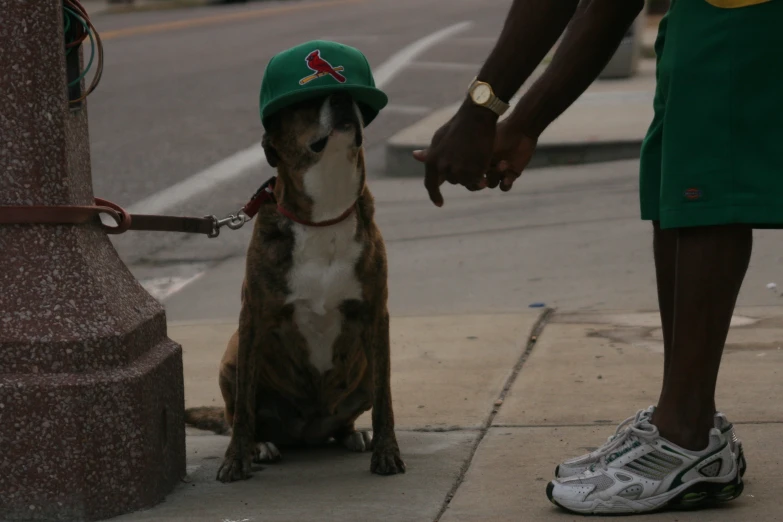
<point x="233" y="221"/>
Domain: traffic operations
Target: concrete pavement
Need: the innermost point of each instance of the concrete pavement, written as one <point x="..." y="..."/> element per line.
<point x="461" y="280"/>
<point x="584" y="375"/>
<point x="486" y="406"/>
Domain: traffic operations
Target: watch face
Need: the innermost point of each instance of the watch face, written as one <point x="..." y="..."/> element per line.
<point x="481" y="94"/>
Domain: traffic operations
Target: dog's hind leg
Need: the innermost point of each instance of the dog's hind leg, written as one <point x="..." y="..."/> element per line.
<point x="354" y="440"/>
<point x="266" y="453"/>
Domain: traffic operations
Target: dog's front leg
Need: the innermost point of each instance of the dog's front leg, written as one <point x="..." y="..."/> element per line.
<point x="241" y="449"/>
<point x="386" y="458"/>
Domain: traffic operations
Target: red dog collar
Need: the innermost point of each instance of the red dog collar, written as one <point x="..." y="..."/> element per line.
<point x="266" y="195"/>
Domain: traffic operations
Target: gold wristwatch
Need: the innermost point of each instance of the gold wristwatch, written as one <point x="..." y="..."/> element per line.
<point x="481" y="94"/>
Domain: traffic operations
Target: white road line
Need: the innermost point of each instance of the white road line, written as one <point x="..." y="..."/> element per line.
<point x="163" y="287"/>
<point x="386" y="72"/>
<point x="204" y="181"/>
<point x="253" y="158"/>
<point x="447" y="66"/>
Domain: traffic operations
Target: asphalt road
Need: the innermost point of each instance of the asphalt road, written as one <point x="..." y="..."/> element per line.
<point x="180" y="94"/>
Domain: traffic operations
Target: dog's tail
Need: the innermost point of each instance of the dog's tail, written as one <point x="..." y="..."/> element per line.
<point x="208" y="418"/>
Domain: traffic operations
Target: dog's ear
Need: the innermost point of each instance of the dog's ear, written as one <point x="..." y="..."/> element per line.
<point x="269" y="150"/>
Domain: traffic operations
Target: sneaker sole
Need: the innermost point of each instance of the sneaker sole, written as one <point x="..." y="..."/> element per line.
<point x="695" y="496"/>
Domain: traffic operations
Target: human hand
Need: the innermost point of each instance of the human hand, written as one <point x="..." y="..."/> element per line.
<point x="513" y="151"/>
<point x="460" y="151"/>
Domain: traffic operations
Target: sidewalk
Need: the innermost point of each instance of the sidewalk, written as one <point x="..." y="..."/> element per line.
<point x="481" y="441"/>
<point x="567" y="236"/>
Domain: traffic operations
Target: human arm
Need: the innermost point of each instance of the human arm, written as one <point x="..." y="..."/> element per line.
<point x="591" y="40"/>
<point x="462" y="149"/>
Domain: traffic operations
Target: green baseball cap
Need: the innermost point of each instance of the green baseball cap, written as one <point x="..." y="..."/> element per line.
<point x="319" y="68"/>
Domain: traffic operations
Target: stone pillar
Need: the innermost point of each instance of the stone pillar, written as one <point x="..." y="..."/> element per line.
<point x="91" y="388"/>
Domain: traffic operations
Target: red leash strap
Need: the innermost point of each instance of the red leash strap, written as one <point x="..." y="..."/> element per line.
<point x="66" y="214"/>
<point x="208" y="225"/>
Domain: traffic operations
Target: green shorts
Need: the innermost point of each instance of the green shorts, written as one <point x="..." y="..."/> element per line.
<point x="713" y="154"/>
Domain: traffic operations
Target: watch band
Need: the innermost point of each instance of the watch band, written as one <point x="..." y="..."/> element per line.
<point x="497" y="105"/>
<point x="494" y="103"/>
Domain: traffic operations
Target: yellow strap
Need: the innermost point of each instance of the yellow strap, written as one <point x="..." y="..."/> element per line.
<point x="733" y="4"/>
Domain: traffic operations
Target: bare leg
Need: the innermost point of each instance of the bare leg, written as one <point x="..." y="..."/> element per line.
<point x="665" y="252"/>
<point x="711" y="263"/>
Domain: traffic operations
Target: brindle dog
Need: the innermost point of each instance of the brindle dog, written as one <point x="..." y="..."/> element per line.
<point x="311" y="353"/>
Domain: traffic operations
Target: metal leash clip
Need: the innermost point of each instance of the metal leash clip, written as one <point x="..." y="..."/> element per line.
<point x="233" y="221"/>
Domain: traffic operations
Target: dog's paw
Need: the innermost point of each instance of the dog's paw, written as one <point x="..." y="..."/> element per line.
<point x="265" y="453"/>
<point x="234" y="468"/>
<point x="387" y="461"/>
<point x="236" y="465"/>
<point x="357" y="441"/>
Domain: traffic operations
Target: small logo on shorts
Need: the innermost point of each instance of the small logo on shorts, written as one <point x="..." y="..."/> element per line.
<point x="692" y="194"/>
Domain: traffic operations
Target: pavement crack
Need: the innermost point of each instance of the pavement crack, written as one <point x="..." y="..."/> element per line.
<point x="532" y="340"/>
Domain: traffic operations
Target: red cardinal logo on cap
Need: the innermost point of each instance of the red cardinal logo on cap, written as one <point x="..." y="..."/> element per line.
<point x="321" y="67"/>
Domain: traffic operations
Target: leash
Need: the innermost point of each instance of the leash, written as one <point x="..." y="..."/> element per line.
<point x="207" y="225"/>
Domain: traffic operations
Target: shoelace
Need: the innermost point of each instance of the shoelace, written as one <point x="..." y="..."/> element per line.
<point x="640" y="429"/>
<point x="622" y="427"/>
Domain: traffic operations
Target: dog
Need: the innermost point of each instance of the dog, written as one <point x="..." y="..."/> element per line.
<point x="312" y="350"/>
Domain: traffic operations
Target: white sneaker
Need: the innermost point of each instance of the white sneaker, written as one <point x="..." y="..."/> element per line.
<point x="577" y="465"/>
<point x="643" y="472"/>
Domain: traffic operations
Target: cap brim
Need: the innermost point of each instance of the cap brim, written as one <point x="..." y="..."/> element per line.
<point x="370" y="99"/>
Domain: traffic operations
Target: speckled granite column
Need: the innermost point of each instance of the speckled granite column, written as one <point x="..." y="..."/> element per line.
<point x="91" y="388"/>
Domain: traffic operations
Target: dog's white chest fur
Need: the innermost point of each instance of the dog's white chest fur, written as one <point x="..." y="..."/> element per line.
<point x="323" y="275"/>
